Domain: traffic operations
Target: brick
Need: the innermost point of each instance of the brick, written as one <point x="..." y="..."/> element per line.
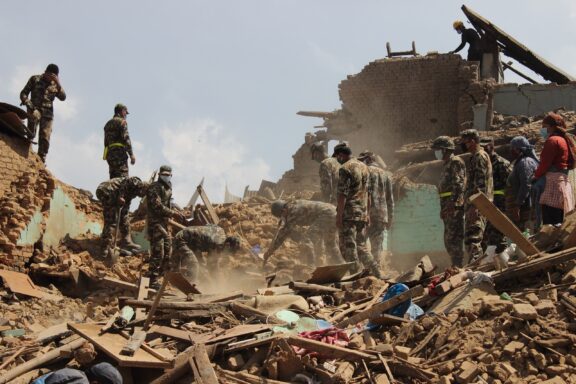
<point x="402" y="352"/>
<point x="554" y="380"/>
<point x="544" y="307"/>
<point x="532" y="298"/>
<point x="513" y="346"/>
<point x="468" y="373"/>
<point x="525" y="311"/>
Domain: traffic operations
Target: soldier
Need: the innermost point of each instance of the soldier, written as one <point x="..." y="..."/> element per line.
<point x="501" y="169"/>
<point x="352" y="210"/>
<point x="320" y="218"/>
<point x="117" y="145"/>
<point x="329" y="167"/>
<point x="208" y="238"/>
<point x="451" y="192"/>
<point x="479" y="179"/>
<point x="115" y="196"/>
<point x="43" y="89"/>
<point x="381" y="211"/>
<point x="159" y="211"/>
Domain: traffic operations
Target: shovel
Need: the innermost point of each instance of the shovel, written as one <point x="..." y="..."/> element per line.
<point x="114" y="252"/>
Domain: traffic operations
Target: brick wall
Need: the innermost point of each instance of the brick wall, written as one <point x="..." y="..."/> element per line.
<point x="15" y="158"/>
<point x="403" y="100"/>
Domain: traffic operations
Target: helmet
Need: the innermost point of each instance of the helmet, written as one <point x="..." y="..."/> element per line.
<point x="443" y="142"/>
<point x="470" y="134"/>
<point x="277" y="207"/>
<point x="486" y="140"/>
<point x="119" y="107"/>
<point x="457" y="24"/>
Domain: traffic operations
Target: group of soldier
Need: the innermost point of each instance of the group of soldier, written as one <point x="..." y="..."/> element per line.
<point x="356" y="206"/>
<point x="487" y="172"/>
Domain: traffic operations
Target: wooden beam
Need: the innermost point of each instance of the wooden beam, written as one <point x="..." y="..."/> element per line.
<point x="142" y="294"/>
<point x="177" y="305"/>
<point x="246" y="311"/>
<point x="214" y="219"/>
<point x="155" y="304"/>
<point x="201" y="366"/>
<point x="329" y="351"/>
<point x="502" y="223"/>
<point x="379" y="308"/>
<point x="312" y="288"/>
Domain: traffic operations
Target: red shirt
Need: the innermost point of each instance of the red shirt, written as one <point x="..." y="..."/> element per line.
<point x="554" y="153"/>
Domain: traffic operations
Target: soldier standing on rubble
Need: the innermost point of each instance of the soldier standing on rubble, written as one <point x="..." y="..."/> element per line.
<point x="470" y="36"/>
<point x="159" y="211"/>
<point x="191" y="240"/>
<point x="479" y="179"/>
<point x="329" y="167"/>
<point x="43" y="89"/>
<point x="451" y="192"/>
<point x="501" y="169"/>
<point x="115" y="196"/>
<point x="319" y="217"/>
<point x="381" y="211"/>
<point x="352" y="210"/>
<point x="117" y="144"/>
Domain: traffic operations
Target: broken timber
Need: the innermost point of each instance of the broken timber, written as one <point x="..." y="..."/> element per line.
<point x="502" y="223"/>
<point x="201" y="366"/>
<point x="377" y="309"/>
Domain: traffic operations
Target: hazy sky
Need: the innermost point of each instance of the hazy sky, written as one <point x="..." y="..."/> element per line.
<point x="213" y="87"/>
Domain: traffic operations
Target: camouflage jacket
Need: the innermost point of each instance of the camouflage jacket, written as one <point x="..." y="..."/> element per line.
<point x="158" y="202"/>
<point x="302" y="212"/>
<point x="353" y="185"/>
<point x="329" y="168"/>
<point x="381" y="198"/>
<point x="452" y="182"/>
<point x="116" y="132"/>
<point x="501" y="169"/>
<point x="202" y="238"/>
<point x="43" y="89"/>
<point x="110" y="191"/>
<point x="479" y="175"/>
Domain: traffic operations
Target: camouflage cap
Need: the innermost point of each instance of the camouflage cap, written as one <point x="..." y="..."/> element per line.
<point x="217" y="234"/>
<point x="366" y="155"/>
<point x="277" y="206"/>
<point x="118" y="107"/>
<point x="443" y="142"/>
<point x="165" y="169"/>
<point x="485" y="140"/>
<point x="470" y="134"/>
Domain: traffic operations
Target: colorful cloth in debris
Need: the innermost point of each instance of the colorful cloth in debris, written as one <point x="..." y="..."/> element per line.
<point x="332" y="336"/>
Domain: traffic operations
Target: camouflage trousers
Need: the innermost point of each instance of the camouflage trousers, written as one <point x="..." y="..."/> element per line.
<point x="454" y="237"/>
<point x="110" y="220"/>
<point x="492" y="236"/>
<point x="117" y="162"/>
<point x="353" y="246"/>
<point x="376" y="232"/>
<point x="184" y="260"/>
<point x="321" y="241"/>
<point x="473" y="235"/>
<point x="44" y="135"/>
<point x="160" y="250"/>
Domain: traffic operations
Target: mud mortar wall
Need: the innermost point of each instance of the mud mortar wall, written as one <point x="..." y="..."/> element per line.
<point x="15" y="158"/>
<point x="398" y="101"/>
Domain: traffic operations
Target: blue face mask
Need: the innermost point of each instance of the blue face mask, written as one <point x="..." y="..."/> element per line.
<point x="544" y="133"/>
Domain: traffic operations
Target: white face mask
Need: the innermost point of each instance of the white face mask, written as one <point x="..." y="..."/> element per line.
<point x="439" y="154"/>
<point x="165" y="178"/>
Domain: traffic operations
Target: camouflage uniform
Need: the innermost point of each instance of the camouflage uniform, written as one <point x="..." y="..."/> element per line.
<point x="43" y="89"/>
<point x="353" y="185"/>
<point x="381" y="208"/>
<point x="501" y="169"/>
<point x="451" y="192"/>
<point x="329" y="179"/>
<point x="159" y="212"/>
<point x="320" y="218"/>
<point x="194" y="239"/>
<point x="479" y="180"/>
<point x="117" y="146"/>
<point x="109" y="193"/>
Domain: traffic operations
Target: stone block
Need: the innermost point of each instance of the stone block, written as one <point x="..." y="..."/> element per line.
<point x="544" y="307"/>
<point x="525" y="311"/>
<point x="468" y="373"/>
<point x="402" y="352"/>
<point x="513" y="346"/>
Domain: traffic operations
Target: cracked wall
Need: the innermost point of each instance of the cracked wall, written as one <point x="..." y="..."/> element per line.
<point x="533" y="99"/>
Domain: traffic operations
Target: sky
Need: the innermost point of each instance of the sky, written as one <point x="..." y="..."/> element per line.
<point x="213" y="87"/>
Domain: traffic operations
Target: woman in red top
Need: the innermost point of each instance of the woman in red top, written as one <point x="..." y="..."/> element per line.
<point x="555" y="161"/>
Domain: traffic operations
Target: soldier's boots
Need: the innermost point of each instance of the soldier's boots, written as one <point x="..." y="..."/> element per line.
<point x="129" y="245"/>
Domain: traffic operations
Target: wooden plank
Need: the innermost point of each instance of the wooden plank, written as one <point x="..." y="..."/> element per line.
<point x="112" y="343"/>
<point x="178" y="281"/>
<point x="251" y="344"/>
<point x="214" y="219"/>
<point x="177" y="305"/>
<point x="20" y="283"/>
<point x="329" y="351"/>
<point x="143" y="287"/>
<point x="502" y="223"/>
<point x="180" y="334"/>
<point x="12" y="358"/>
<point x="329" y="273"/>
<point x="117" y="283"/>
<point x="155" y="304"/>
<point x="271" y="291"/>
<point x="241" y="330"/>
<point x="379" y="308"/>
<point x="312" y="288"/>
<point x="240" y="309"/>
<point x="136" y="340"/>
<point x="201" y="366"/>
